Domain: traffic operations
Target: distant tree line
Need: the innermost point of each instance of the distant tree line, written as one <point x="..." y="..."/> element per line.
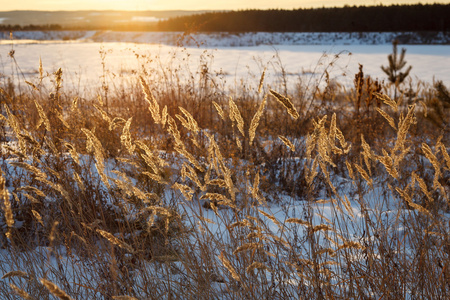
<point x="30" y="27"/>
<point x="417" y="17"/>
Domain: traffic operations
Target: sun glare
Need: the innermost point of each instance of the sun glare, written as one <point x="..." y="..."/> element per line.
<point x="53" y="5"/>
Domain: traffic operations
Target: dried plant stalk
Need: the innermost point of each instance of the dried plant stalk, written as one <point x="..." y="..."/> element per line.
<point x="286" y="103"/>
<point x="255" y="121"/>
<point x="235" y="116"/>
<point x="15" y="274"/>
<point x="4" y="194"/>
<point x="261" y="80"/>
<point x="153" y="104"/>
<point x="226" y="263"/>
<point x="287" y="142"/>
<point x="256" y="265"/>
<point x="111" y="238"/>
<point x="55" y="290"/>
<point x="219" y="110"/>
<point x="125" y="138"/>
<point x="20" y="292"/>
<point x="246" y="247"/>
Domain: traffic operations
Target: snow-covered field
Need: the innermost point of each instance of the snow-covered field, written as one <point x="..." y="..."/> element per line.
<point x="82" y="64"/>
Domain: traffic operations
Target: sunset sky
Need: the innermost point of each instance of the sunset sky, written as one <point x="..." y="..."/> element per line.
<point x="7" y="5"/>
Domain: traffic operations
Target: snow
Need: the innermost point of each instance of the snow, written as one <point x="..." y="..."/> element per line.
<point x="82" y="65"/>
<point x="225" y="39"/>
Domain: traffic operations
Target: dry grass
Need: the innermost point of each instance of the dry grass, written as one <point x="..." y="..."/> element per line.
<point x="112" y="201"/>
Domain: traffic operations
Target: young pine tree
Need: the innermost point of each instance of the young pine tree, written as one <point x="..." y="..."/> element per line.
<point x="396" y="64"/>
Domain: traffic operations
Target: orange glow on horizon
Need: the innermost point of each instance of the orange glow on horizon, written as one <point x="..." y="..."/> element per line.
<point x="53" y="5"/>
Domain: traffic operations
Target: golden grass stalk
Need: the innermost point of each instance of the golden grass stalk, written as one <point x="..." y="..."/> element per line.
<point x="328" y="251"/>
<point x="387" y="100"/>
<point x="32" y="85"/>
<point x="58" y="78"/>
<point x="15" y="274"/>
<point x="219" y="110"/>
<point x="364" y="174"/>
<point x="312" y="172"/>
<point x="423" y="186"/>
<point x="367" y="153"/>
<point x="243" y="223"/>
<point x="408" y="199"/>
<point x="261" y="80"/>
<point x="20" y="292"/>
<point x="255" y="187"/>
<point x="322" y="227"/>
<point x="235" y="116"/>
<point x="388" y="118"/>
<point x="214" y="197"/>
<point x="206" y="220"/>
<point x="53" y="232"/>
<point x="388" y="163"/>
<point x="333" y="129"/>
<point x="444" y="152"/>
<point x="434" y="161"/>
<point x="270" y="217"/>
<point x="74" y="105"/>
<point x="112" y="239"/>
<point x="37" y="216"/>
<point x="297" y="221"/>
<point x="191" y="124"/>
<point x="185" y="190"/>
<point x="403" y="129"/>
<point x="256" y="265"/>
<point x="79" y="181"/>
<point x="286" y="102"/>
<point x="217" y="182"/>
<point x="37" y="172"/>
<point x="55" y="290"/>
<point x="73" y="152"/>
<point x="61" y="118"/>
<point x="164" y="115"/>
<point x="238" y="143"/>
<point x="15" y="125"/>
<point x="189" y="172"/>
<point x="32" y="189"/>
<point x="94" y="145"/>
<point x="350" y="170"/>
<point x="153" y="104"/>
<point x="351" y="244"/>
<point x="255" y="121"/>
<point x="116" y="122"/>
<point x="190" y="158"/>
<point x="348" y="206"/>
<point x="124" y="298"/>
<point x="125" y="138"/>
<point x="227" y="264"/>
<point x="246" y="247"/>
<point x="41" y="70"/>
<point x="287" y="142"/>
<point x="9" y="217"/>
<point x="78" y="237"/>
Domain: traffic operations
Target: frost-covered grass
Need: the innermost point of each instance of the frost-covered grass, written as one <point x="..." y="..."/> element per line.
<point x="172" y="184"/>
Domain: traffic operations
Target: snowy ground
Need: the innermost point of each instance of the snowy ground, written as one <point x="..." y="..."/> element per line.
<point x="225" y="39"/>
